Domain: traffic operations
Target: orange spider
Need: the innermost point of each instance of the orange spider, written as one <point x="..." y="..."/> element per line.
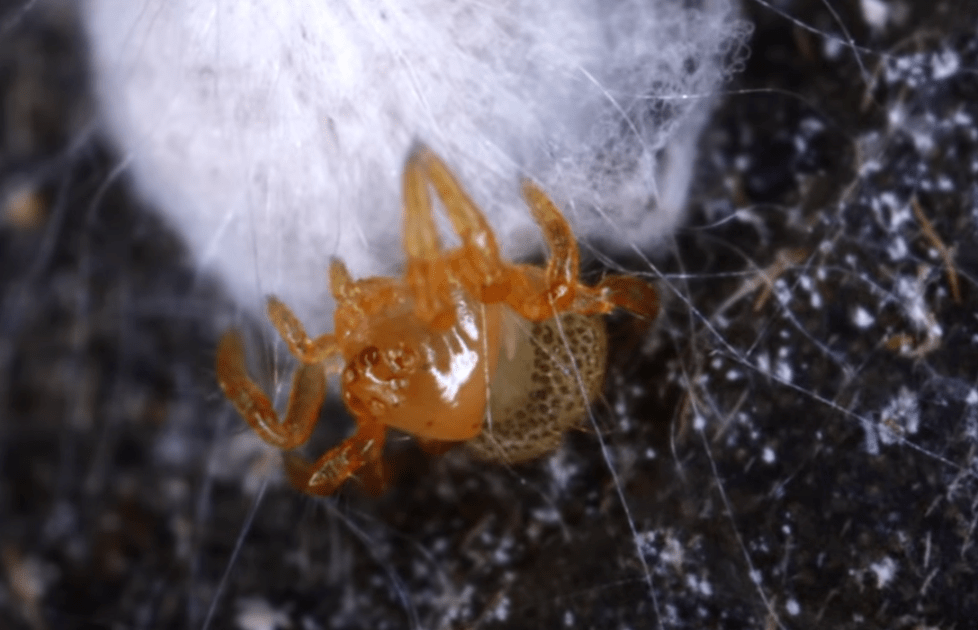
<point x="466" y="347"/>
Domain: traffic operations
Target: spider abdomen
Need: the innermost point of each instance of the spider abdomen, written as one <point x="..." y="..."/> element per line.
<point x="544" y="387"/>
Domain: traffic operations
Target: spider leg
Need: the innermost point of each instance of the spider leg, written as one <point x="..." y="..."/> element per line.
<point x="305" y="399"/>
<point x="625" y="292"/>
<point x="427" y="273"/>
<point x="535" y="294"/>
<point x="477" y="264"/>
<point x="327" y="474"/>
<point x="561" y="290"/>
<point x="555" y="294"/>
<point x="309" y="351"/>
<point x="469" y="222"/>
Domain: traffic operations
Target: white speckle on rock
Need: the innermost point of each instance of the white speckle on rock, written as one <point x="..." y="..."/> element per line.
<point x="501" y="612"/>
<point x="900" y="417"/>
<point x="698" y="584"/>
<point x="972" y="398"/>
<point x="783" y="372"/>
<point x="876" y="13"/>
<point x="872" y="440"/>
<point x="897" y="249"/>
<point x="945" y="64"/>
<point x="862" y="318"/>
<point x="764" y="363"/>
<point x="885" y="570"/>
<point x="255" y="613"/>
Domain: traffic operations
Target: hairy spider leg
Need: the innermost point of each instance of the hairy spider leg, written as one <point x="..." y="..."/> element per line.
<point x="309" y="351"/>
<point x="427" y="274"/>
<point x="564" y="292"/>
<point x="362" y="450"/>
<point x="536" y="295"/>
<point x="632" y="294"/>
<point x="477" y="262"/>
<point x="555" y="294"/>
<point x="305" y="399"/>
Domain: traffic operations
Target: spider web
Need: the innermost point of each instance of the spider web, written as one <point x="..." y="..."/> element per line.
<point x="791" y="445"/>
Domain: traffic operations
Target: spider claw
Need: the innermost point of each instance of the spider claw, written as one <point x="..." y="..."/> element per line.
<point x="631" y="294"/>
<point x="303" y="478"/>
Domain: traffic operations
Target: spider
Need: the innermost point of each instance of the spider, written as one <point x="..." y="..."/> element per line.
<point x="466" y="347"/>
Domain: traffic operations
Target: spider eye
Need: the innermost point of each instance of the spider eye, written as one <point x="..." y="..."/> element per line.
<point x="370" y="356"/>
<point x="401" y="359"/>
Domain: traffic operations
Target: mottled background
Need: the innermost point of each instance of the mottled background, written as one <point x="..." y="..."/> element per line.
<point x="793" y="444"/>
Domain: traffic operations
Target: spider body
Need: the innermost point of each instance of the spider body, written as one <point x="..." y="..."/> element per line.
<point x="466" y="347"/>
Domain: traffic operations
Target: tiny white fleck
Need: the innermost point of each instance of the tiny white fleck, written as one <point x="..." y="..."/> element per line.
<point x="875" y="12"/>
<point x="764" y="363"/>
<point x="502" y="609"/>
<point x="672" y="552"/>
<point x="900" y="416"/>
<point x="885" y="569"/>
<point x="768" y="455"/>
<point x="862" y="318"/>
<point x="792" y="607"/>
<point x="945" y="64"/>
<point x="700" y="585"/>
<point x="897" y="249"/>
<point x="784" y="372"/>
<point x="646" y="542"/>
<point x="872" y="440"/>
<point x="254" y="613"/>
<point x="831" y="48"/>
